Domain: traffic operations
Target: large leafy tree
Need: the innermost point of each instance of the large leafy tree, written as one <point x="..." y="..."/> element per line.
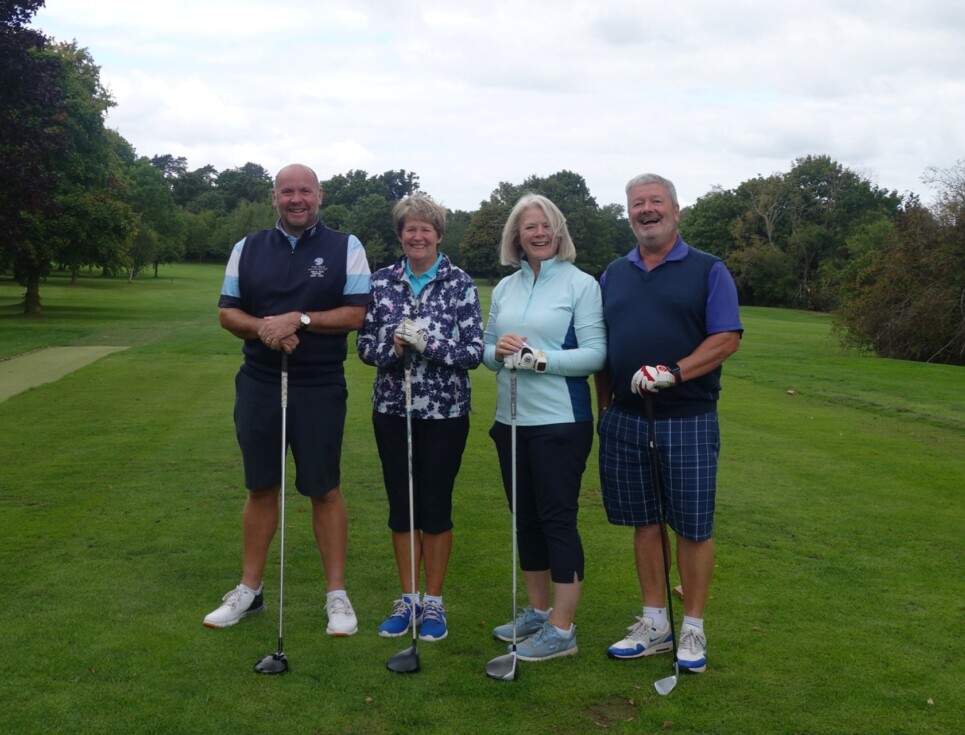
<point x="31" y="99"/>
<point x="196" y="191"/>
<point x="171" y="166"/>
<point x="593" y="230"/>
<point x="85" y="220"/>
<point x="708" y="223"/>
<point x="479" y="251"/>
<point x="97" y="224"/>
<point x="370" y="219"/>
<point x="785" y="236"/>
<point x="160" y="228"/>
<point x="248" y="183"/>
<point x="903" y="295"/>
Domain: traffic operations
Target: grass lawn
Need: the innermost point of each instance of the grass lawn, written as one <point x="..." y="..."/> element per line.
<point x="836" y="609"/>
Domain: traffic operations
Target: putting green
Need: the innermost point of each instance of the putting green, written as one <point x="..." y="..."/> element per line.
<point x="46" y="366"/>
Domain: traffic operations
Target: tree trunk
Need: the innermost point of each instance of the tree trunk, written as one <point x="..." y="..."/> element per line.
<point x="31" y="297"/>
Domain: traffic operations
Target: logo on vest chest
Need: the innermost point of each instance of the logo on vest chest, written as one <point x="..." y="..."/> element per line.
<point x="317" y="268"/>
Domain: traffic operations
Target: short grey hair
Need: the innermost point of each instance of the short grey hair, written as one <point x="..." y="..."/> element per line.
<point x="653" y="179"/>
<point x="419" y="207"/>
<point x="510" y="249"/>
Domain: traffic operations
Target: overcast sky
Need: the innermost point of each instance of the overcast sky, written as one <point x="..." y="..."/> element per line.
<point x="469" y="94"/>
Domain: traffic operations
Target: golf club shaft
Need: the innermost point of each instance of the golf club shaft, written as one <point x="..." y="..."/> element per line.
<point x="281" y="501"/>
<point x="512" y="434"/>
<point x="658" y="491"/>
<point x="407" y="364"/>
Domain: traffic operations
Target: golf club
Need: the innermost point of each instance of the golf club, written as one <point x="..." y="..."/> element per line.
<point x="504" y="667"/>
<point x="407" y="661"/>
<point x="277" y="663"/>
<point x="666" y="685"/>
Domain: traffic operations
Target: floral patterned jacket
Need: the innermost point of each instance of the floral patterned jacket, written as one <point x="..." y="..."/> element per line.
<point x="448" y="309"/>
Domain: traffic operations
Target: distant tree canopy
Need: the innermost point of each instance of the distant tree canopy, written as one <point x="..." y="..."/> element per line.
<point x="784" y="235"/>
<point x="599" y="233"/>
<point x="903" y="290"/>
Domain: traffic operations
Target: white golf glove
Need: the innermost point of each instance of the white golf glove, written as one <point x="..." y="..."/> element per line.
<point x="527" y="359"/>
<point x="653" y="379"/>
<point x="412" y="334"/>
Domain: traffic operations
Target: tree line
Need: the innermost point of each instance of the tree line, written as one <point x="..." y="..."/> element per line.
<point x="75" y="196"/>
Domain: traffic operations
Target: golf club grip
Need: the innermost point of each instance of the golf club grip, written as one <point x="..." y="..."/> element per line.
<point x="284" y="380"/>
<point x="512" y="394"/>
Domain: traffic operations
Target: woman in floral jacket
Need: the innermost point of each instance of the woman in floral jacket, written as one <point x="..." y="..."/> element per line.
<point x="427" y="306"/>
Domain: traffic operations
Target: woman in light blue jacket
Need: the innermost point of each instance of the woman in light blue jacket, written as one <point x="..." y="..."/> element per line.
<point x="546" y="322"/>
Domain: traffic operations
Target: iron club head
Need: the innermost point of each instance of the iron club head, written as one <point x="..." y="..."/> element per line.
<point x="273" y="663"/>
<point x="666" y="685"/>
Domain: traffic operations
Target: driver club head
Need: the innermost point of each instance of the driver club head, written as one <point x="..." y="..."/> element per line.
<point x="404" y="662"/>
<point x="666" y="685"/>
<point x="503" y="668"/>
<point x="273" y="663"/>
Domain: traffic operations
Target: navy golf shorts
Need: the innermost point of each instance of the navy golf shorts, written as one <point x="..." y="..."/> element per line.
<point x="315" y="423"/>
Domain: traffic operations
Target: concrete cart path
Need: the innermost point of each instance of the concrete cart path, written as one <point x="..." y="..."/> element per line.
<point x="46" y="366"/>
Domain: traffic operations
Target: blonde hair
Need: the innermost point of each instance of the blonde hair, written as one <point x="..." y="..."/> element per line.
<point x="510" y="249"/>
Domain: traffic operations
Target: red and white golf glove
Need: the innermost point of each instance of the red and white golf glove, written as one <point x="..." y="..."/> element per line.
<point x="527" y="359"/>
<point x="413" y="335"/>
<point x="652" y="379"/>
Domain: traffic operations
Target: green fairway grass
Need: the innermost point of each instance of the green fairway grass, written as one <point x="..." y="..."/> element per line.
<point x="837" y="599"/>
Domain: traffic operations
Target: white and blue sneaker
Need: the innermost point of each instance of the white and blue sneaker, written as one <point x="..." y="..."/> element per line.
<point x="399" y="621"/>
<point x="692" y="651"/>
<point x="546" y="643"/>
<point x="432" y="621"/>
<point x="643" y="639"/>
<point x="527" y="622"/>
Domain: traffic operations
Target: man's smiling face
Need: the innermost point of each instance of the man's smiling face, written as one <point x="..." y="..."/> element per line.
<point x="653" y="215"/>
<point x="296" y="197"/>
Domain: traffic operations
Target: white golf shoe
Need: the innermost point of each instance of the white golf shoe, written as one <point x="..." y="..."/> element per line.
<point x="241" y="602"/>
<point x="341" y="616"/>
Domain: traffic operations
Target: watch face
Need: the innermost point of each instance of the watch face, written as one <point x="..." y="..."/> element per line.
<point x="305" y="320"/>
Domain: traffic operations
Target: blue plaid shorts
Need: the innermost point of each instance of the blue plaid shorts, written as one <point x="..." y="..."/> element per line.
<point x="688" y="449"/>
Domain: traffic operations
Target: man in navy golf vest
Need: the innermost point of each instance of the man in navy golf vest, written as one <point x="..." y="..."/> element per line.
<point x="296" y="289"/>
<point x="672" y="319"/>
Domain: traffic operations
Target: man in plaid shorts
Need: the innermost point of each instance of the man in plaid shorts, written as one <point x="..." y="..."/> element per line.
<point x="672" y="319"/>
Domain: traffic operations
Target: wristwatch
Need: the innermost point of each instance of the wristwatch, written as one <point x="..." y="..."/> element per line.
<point x="304" y="320"/>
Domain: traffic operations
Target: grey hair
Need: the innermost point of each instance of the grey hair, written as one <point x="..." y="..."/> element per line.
<point x="653" y="179"/>
<point x="510" y="249"/>
<point x="419" y="207"/>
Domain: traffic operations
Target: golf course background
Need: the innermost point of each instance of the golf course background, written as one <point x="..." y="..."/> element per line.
<point x="837" y="600"/>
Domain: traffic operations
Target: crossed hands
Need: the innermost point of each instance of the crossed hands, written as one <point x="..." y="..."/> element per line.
<point x="279" y="332"/>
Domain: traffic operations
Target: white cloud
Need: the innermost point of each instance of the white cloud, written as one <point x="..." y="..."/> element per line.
<point x="469" y="94"/>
